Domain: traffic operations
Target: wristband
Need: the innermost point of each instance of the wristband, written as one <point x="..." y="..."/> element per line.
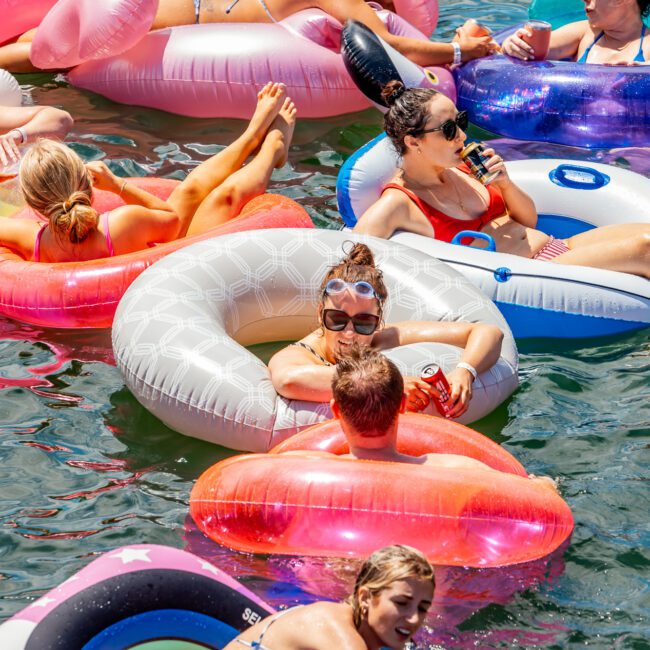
<point x="471" y="369"/>
<point x="122" y="188"/>
<point x="23" y="134"/>
<point x="457" y="53"/>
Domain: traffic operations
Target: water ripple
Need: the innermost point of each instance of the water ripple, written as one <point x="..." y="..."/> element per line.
<point x="85" y="468"/>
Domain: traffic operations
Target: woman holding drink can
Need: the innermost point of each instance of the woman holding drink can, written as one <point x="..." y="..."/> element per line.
<point x="350" y="313"/>
<point x="613" y="34"/>
<point x="444" y="187"/>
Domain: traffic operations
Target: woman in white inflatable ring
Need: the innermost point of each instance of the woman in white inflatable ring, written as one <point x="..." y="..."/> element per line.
<point x="350" y="311"/>
<point x="434" y="194"/>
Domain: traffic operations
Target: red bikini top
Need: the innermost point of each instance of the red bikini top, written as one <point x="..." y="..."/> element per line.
<point x="446" y="228"/>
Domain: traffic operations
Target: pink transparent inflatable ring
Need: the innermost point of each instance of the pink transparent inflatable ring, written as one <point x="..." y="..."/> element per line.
<point x="190" y="70"/>
<point x="332" y="506"/>
<point x="86" y="294"/>
<point x="74" y="31"/>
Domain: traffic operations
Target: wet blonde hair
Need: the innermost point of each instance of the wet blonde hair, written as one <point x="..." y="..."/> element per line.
<point x="56" y="184"/>
<point x="385" y="566"/>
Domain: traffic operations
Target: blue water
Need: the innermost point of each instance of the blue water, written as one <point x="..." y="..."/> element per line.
<point x="85" y="468"/>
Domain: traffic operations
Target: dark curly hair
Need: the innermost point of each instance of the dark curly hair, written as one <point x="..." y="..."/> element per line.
<point x="408" y="112"/>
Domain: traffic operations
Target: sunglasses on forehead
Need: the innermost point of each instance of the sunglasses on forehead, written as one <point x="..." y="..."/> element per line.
<point x="336" y="320"/>
<point x="449" y="128"/>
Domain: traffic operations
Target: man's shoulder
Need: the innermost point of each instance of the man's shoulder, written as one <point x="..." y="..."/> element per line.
<point x="456" y="461"/>
<point x="333" y="626"/>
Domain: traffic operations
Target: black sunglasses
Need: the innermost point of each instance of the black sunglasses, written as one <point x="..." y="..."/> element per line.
<point x="450" y="127"/>
<point x="336" y="320"/>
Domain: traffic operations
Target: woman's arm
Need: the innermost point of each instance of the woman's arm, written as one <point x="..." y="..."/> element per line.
<point x="134" y="227"/>
<point x="389" y="213"/>
<point x="481" y="342"/>
<point x="565" y="42"/>
<point x="295" y="376"/>
<point x="36" y="121"/>
<point x="419" y="51"/>
<point x="482" y="348"/>
<point x="520" y="206"/>
<point x="104" y="179"/>
<point x="22" y="124"/>
<point x="19" y="235"/>
<point x="144" y="220"/>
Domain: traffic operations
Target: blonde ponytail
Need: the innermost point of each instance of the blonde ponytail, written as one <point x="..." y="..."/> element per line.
<point x="56" y="184"/>
<point x="75" y="217"/>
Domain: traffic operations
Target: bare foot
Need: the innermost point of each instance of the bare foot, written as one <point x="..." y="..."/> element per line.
<point x="269" y="103"/>
<point x="285" y="122"/>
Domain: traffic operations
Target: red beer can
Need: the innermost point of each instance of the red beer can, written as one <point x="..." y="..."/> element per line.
<point x="433" y="375"/>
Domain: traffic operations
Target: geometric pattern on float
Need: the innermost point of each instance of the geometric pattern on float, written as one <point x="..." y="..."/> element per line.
<point x="180" y="329"/>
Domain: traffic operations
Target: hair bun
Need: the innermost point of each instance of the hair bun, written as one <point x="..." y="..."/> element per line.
<point x="392" y="91"/>
<point x="359" y="255"/>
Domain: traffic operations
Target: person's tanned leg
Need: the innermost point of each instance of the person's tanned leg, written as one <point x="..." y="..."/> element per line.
<point x="227" y="200"/>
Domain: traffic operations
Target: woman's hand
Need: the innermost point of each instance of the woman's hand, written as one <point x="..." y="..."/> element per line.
<point x="474" y="47"/>
<point x="102" y="177"/>
<point x="9" y="152"/>
<point x="460" y="383"/>
<point x="495" y="163"/>
<point x="418" y="393"/>
<point x="516" y="47"/>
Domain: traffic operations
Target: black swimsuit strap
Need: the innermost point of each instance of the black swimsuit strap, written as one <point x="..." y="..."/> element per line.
<point x="308" y="347"/>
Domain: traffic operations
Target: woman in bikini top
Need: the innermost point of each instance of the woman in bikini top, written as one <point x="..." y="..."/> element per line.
<point x="350" y="312"/>
<point x="446" y="228"/>
<point x="391" y="597"/>
<point x="434" y="195"/>
<point x="59" y="187"/>
<point x="614" y="33"/>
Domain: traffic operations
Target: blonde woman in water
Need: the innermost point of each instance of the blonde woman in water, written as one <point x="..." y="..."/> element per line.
<point x="389" y="603"/>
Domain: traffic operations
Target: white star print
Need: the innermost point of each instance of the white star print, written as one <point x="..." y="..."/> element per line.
<point x="128" y="555"/>
<point x="209" y="567"/>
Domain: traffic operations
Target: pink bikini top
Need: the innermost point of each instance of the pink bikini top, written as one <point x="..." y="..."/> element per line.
<point x="446" y="228"/>
<point x="104" y="221"/>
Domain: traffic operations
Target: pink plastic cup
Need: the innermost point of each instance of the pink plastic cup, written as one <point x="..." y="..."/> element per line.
<point x="540" y="39"/>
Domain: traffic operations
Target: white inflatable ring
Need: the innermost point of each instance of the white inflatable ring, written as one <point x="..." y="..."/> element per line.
<point x="180" y="328"/>
<point x="10" y="93"/>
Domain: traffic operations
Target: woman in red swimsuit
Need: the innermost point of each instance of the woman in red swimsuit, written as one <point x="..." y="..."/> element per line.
<point x="57" y="185"/>
<point x="433" y="194"/>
